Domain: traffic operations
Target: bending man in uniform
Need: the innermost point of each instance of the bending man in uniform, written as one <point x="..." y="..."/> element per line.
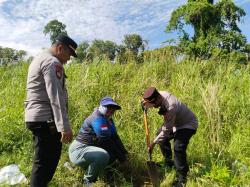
<point x="97" y="143"/>
<point x="46" y="108"/>
<point x="180" y="124"/>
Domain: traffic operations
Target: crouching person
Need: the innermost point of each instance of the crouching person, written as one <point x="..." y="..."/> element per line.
<point x="97" y="143"/>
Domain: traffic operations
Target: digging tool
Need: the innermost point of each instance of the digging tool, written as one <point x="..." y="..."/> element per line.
<point x="153" y="168"/>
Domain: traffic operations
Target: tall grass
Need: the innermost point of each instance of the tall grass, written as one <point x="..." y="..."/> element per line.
<point x="217" y="92"/>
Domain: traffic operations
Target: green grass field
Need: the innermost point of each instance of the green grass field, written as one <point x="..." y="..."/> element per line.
<point x="219" y="153"/>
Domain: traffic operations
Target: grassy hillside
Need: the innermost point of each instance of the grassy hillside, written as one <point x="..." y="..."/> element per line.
<point x="218" y="93"/>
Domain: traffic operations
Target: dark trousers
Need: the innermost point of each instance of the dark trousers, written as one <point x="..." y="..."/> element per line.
<point x="181" y="139"/>
<point x="47" y="146"/>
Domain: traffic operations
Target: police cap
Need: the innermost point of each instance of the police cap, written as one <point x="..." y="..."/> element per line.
<point x="150" y="94"/>
<point x="66" y="40"/>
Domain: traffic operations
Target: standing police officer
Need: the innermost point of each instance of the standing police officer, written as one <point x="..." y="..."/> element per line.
<point x="46" y="108"/>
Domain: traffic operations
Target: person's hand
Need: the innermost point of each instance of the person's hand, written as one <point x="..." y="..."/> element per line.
<point x="151" y="147"/>
<point x="66" y="136"/>
<point x="142" y="105"/>
<point x="145" y="104"/>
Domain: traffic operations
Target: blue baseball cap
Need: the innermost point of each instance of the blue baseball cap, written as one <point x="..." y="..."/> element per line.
<point x="108" y="101"/>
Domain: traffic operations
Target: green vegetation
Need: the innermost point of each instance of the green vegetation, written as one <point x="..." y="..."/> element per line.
<point x="8" y="55"/>
<point x="217" y="92"/>
<point x="132" y="47"/>
<point x="54" y="28"/>
<point x="210" y="80"/>
<point x="99" y="49"/>
<point x="215" y="28"/>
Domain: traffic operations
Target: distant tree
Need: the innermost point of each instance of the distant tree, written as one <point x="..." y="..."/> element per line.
<point x="121" y="56"/>
<point x="215" y="26"/>
<point x="247" y="48"/>
<point x="6" y="52"/>
<point x="230" y="15"/>
<point x="81" y="51"/>
<point x="29" y="60"/>
<point x="54" y="28"/>
<point x="134" y="43"/>
<point x="103" y="49"/>
<point x="208" y="1"/>
<point x="134" y="47"/>
<point x="120" y="49"/>
<point x="8" y="55"/>
<point x="20" y="54"/>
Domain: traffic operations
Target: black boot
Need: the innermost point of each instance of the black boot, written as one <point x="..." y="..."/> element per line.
<point x="180" y="181"/>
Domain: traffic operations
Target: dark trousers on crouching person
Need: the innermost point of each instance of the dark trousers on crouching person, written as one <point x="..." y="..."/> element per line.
<point x="181" y="139"/>
<point x="47" y="147"/>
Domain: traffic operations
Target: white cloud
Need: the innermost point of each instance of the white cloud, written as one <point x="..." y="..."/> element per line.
<point x="2" y="1"/>
<point x="22" y="21"/>
<point x="242" y="2"/>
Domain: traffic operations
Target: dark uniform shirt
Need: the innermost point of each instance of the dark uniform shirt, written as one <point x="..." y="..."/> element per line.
<point x="176" y="116"/>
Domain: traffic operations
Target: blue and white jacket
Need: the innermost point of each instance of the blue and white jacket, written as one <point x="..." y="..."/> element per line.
<point x="97" y="130"/>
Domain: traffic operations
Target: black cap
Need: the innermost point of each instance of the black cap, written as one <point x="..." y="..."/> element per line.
<point x="150" y="94"/>
<point x="71" y="44"/>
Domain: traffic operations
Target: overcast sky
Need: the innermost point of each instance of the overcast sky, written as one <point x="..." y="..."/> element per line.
<point x="22" y="21"/>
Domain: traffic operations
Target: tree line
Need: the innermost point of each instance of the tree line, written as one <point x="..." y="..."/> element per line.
<point x="131" y="48"/>
<point x="8" y="55"/>
<point x="216" y="34"/>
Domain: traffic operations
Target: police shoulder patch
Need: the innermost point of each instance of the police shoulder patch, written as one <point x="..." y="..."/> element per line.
<point x="59" y="70"/>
